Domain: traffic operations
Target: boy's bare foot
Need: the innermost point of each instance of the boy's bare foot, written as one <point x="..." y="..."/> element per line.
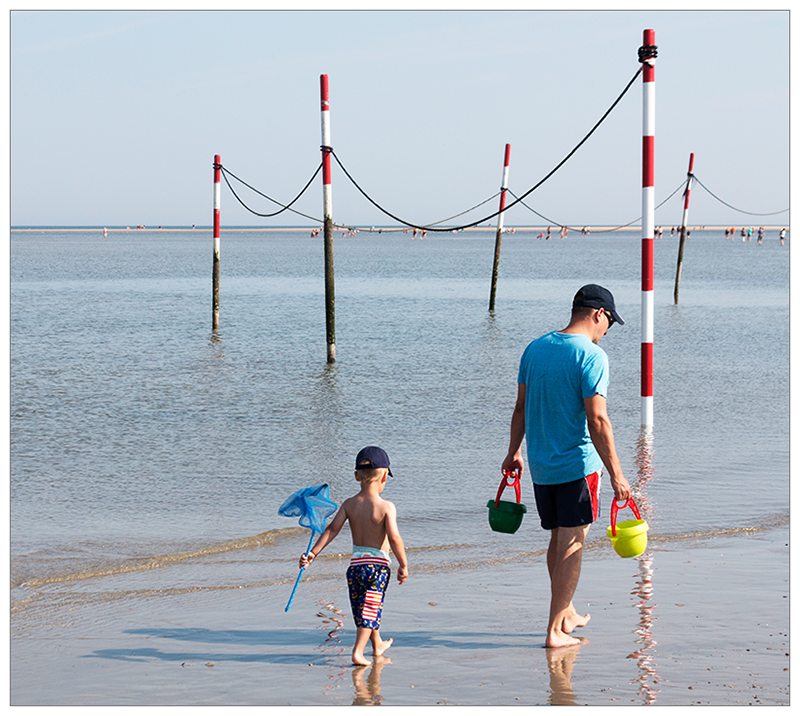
<point x="359" y="659"/>
<point x="379" y="649"/>
<point x="573" y="621"/>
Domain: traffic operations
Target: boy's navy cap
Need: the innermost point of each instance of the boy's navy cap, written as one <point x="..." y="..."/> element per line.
<point x="595" y="296"/>
<point x="372" y="456"/>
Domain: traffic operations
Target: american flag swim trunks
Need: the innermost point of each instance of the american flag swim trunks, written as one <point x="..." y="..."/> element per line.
<point x="367" y="582"/>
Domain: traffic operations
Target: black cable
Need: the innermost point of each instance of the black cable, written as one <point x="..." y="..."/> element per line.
<point x="752" y="213"/>
<point x="388" y="230"/>
<point x="596" y="231"/>
<point x="431" y="227"/>
<point x="493" y="196"/>
<point x="288" y="206"/>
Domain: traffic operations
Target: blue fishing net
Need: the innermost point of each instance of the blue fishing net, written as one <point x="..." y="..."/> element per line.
<point x="312" y="505"/>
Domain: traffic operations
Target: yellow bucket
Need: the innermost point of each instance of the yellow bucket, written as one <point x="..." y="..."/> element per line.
<point x="629" y="539"/>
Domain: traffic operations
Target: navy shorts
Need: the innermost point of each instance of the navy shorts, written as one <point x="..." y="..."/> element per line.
<point x="367" y="586"/>
<point x="569" y="504"/>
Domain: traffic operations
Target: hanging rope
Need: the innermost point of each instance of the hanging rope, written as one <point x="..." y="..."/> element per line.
<point x="742" y="211"/>
<point x="288" y="206"/>
<point x="596" y="231"/>
<point x="386" y="231"/>
<point x="432" y="227"/>
<point x="493" y="196"/>
<point x="428" y="227"/>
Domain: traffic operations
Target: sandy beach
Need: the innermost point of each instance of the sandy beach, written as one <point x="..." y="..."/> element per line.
<point x="362" y="230"/>
<point x="700" y="620"/>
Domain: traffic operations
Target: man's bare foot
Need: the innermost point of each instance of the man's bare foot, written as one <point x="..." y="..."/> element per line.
<point x="379" y="649"/>
<point x="559" y="639"/>
<point x="573" y="621"/>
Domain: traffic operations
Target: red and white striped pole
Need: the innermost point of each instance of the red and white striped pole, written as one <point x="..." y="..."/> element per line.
<point x="684" y="221"/>
<point x="647" y="54"/>
<point x="215" y="270"/>
<point x="688" y="190"/>
<point x="327" y="213"/>
<point x="498" y="239"/>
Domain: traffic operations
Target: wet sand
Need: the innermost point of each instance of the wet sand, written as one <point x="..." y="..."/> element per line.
<point x="702" y="621"/>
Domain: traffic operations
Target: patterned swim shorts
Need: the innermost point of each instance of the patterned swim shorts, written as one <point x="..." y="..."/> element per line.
<point x="367" y="584"/>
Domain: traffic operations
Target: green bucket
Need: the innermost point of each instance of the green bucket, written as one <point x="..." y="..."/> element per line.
<point x="505" y="516"/>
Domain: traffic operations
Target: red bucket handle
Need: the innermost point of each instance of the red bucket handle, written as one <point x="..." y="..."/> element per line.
<point x="510" y="478"/>
<point x="630" y="503"/>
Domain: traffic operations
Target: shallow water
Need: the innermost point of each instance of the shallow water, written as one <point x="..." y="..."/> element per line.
<point x="147" y="450"/>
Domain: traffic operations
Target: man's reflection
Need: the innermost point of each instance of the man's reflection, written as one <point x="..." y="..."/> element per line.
<point x="560" y="662"/>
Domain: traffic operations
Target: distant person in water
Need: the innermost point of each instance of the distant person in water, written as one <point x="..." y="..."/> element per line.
<point x="561" y="413"/>
<point x="373" y="526"/>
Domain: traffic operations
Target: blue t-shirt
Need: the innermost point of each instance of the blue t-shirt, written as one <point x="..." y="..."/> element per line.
<point x="560" y="370"/>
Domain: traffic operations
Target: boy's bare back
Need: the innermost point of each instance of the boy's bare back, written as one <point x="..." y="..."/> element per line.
<point x="373" y="521"/>
<point x="371" y="518"/>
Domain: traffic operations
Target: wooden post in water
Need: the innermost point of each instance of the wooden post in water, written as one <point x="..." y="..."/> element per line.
<point x="498" y="237"/>
<point x="215" y="269"/>
<point x="683" y="227"/>
<point x="327" y="213"/>
<point x="647" y="56"/>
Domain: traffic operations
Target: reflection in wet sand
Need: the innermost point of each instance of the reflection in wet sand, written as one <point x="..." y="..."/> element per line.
<point x="560" y="662"/>
<point x="367" y="690"/>
<point x="333" y="623"/>
<point x="648" y="676"/>
<point x="368" y="693"/>
<point x="335" y="617"/>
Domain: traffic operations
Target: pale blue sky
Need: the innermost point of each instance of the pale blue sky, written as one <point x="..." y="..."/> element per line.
<point x="116" y="116"/>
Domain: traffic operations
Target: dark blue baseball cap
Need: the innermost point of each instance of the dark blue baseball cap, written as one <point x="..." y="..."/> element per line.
<point x="372" y="456"/>
<point x="593" y="296"/>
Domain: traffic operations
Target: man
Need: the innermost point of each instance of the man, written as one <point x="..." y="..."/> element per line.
<point x="561" y="412"/>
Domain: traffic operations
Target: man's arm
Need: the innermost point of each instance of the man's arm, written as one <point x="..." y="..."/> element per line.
<point x="602" y="436"/>
<point x="513" y="461"/>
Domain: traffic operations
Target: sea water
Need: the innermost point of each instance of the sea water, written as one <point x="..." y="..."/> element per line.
<point x="150" y="453"/>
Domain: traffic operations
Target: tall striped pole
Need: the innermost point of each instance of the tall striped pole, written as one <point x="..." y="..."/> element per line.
<point x="684" y="221"/>
<point x="647" y="55"/>
<point x="327" y="213"/>
<point x="498" y="237"/>
<point x="215" y="269"/>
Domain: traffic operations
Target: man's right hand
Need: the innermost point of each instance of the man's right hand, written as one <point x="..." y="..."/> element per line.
<point x="513" y="463"/>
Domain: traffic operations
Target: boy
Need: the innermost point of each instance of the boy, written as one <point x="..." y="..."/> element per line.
<point x="373" y="525"/>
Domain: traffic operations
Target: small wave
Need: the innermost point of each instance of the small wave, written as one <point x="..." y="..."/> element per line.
<point x="469" y="562"/>
<point x="149" y="563"/>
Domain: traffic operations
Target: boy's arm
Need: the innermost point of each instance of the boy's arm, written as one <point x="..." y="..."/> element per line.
<point x="396" y="542"/>
<point x="326" y="537"/>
